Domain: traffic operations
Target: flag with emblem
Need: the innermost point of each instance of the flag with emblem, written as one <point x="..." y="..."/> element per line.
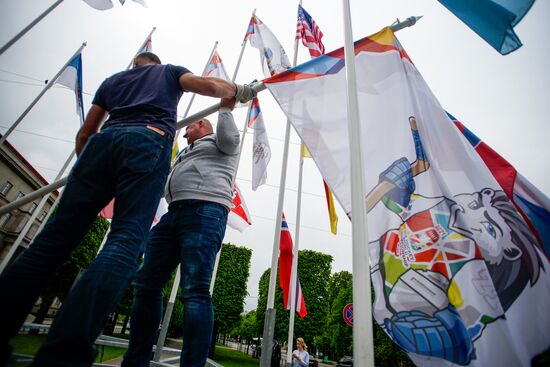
<point x="458" y="272"/>
<point x="238" y="217"/>
<point x="261" y="151"/>
<point x="273" y="57"/>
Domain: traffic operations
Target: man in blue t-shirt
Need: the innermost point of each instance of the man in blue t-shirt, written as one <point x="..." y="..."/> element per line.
<point x="129" y="160"/>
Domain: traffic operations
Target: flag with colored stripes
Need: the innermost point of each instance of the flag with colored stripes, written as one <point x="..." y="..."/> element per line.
<point x="309" y="32"/>
<point x="532" y="204"/>
<point x="273" y="56"/>
<point x="285" y="268"/>
<point x="215" y="67"/>
<point x="71" y="78"/>
<point x="458" y="271"/>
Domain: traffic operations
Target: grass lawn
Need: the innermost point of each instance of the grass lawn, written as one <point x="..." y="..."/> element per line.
<point x="229" y="357"/>
<point x="29" y="344"/>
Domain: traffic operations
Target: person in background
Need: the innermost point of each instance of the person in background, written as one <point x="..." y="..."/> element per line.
<point x="300" y="357"/>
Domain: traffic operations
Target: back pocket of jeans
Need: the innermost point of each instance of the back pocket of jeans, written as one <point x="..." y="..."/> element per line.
<point x="142" y="149"/>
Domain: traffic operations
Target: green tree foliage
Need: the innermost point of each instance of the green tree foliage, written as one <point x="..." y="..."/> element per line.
<point x="314" y="273"/>
<point x="229" y="291"/>
<point x="80" y="259"/>
<point x="230" y="286"/>
<point x="247" y="327"/>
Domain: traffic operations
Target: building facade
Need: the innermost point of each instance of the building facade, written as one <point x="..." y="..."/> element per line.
<point x="18" y="178"/>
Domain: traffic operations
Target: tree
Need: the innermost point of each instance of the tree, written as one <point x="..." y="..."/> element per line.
<point x="80" y="259"/>
<point x="230" y="287"/>
<point x="314" y="274"/>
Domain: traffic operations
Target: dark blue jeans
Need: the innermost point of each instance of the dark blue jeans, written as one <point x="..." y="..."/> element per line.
<point x="190" y="234"/>
<point x="128" y="163"/>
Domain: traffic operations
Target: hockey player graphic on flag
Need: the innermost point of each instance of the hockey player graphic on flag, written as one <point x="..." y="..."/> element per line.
<point x="426" y="297"/>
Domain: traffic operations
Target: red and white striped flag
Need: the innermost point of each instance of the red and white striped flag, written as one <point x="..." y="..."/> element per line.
<point x="238" y="218"/>
<point x="309" y="32"/>
<point x="285" y="268"/>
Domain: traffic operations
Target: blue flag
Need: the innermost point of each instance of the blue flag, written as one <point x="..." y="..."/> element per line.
<point x="492" y="20"/>
<point x="71" y="77"/>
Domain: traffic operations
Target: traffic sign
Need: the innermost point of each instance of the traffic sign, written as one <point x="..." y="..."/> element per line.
<point x="348" y="314"/>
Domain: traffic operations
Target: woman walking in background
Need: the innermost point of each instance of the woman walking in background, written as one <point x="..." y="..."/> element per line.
<point x="300" y="357"/>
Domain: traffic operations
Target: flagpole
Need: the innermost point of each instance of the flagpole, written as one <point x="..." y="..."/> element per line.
<point x="269" y="321"/>
<point x="141" y="47"/>
<point x="294" y="271"/>
<point x="48" y="86"/>
<point x="27" y="28"/>
<point x="363" y="346"/>
<point x="31" y="220"/>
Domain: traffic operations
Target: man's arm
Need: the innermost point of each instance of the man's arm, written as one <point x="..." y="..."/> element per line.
<point x="227" y="134"/>
<point x="215" y="87"/>
<point x="96" y="115"/>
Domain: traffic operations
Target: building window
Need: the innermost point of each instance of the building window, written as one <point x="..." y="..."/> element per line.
<point x="6" y="187"/>
<point x="4" y="219"/>
<point x="33" y="208"/>
<point x="20" y="195"/>
<point x="42" y="216"/>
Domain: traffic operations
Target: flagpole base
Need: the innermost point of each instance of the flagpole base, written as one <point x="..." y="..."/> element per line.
<point x="269" y="331"/>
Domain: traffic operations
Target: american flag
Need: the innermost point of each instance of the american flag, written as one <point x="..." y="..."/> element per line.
<point x="309" y="32"/>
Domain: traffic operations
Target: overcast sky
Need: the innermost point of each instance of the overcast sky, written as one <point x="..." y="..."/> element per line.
<point x="502" y="99"/>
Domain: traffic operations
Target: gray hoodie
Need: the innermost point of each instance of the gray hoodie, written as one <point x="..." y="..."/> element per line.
<point x="204" y="170"/>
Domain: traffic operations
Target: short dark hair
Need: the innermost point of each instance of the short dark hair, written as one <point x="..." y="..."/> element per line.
<point x="149" y="56"/>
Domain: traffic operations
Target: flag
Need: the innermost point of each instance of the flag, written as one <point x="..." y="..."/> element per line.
<point x="215" y="68"/>
<point x="141" y="2"/>
<point x="71" y="78"/>
<point x="109" y="211"/>
<point x="531" y="203"/>
<point x="100" y="4"/>
<point x="285" y="268"/>
<point x="261" y="152"/>
<point x="459" y="275"/>
<point x="332" y="217"/>
<point x="492" y="20"/>
<point x="309" y="32"/>
<point x="238" y="218"/>
<point x="272" y="54"/>
<point x="147" y="46"/>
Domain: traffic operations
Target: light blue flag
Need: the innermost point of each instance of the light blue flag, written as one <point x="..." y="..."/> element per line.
<point x="492" y="20"/>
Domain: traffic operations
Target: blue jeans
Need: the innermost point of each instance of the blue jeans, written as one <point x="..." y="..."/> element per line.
<point x="190" y="234"/>
<point x="128" y="163"/>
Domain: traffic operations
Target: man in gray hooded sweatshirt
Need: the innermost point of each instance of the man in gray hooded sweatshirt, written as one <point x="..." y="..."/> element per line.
<point x="199" y="194"/>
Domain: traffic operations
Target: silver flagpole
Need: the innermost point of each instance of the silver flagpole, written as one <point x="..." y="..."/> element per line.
<point x="27" y="28"/>
<point x="30" y="222"/>
<point x="363" y="346"/>
<point x="269" y="321"/>
<point x="258" y="87"/>
<point x="294" y="267"/>
<point x="48" y="86"/>
<point x="141" y="47"/>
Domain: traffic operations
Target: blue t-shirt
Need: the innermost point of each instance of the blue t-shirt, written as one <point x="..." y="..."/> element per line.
<point x="147" y="95"/>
